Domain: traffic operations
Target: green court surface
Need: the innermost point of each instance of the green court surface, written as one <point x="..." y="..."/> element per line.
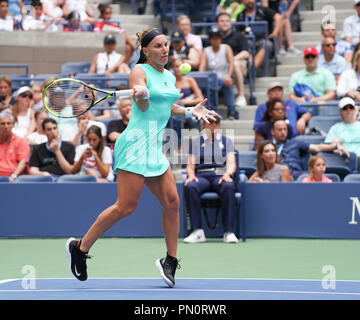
<point x="135" y="257"/>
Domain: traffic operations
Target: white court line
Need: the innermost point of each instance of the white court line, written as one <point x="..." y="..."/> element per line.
<point x="7" y="280"/>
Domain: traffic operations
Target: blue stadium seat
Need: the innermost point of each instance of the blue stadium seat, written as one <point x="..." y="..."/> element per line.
<point x="352" y="177"/>
<point x="324" y="123"/>
<point x="4" y="179"/>
<point x="310" y="139"/>
<point x="341" y="165"/>
<point x="117" y="79"/>
<point x="40" y="78"/>
<point x="169" y="10"/>
<point x="207" y="82"/>
<point x="34" y="179"/>
<point x="99" y="80"/>
<point x="333" y="176"/>
<point x="75" y="178"/>
<point x="74" y="67"/>
<point x="247" y="162"/>
<point x="19" y="80"/>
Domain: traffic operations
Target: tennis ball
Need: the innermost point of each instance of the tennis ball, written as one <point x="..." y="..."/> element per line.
<point x="185" y="68"/>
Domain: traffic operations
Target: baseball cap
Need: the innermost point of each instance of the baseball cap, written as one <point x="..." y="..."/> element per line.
<point x="357" y="1"/>
<point x="345" y="102"/>
<point x="23" y="90"/>
<point x="274" y="84"/>
<point x="311" y="50"/>
<point x="109" y="38"/>
<point x="214" y="31"/>
<point x="177" y="35"/>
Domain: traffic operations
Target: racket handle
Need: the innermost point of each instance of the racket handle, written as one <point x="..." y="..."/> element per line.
<point x="123" y="93"/>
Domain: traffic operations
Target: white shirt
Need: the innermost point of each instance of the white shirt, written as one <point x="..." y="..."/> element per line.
<point x="348" y="81"/>
<point x="194" y="41"/>
<point x="79" y="6"/>
<point x="107" y="61"/>
<point x="7" y="24"/>
<point x="37" y="138"/>
<point x="52" y="8"/>
<point x="90" y="163"/>
<point x="351" y="28"/>
<point x="69" y="133"/>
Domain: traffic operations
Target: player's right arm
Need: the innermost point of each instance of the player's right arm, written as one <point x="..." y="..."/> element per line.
<point x="137" y="82"/>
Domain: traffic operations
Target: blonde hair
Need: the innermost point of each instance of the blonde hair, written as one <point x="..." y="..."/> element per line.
<point x="312" y="161"/>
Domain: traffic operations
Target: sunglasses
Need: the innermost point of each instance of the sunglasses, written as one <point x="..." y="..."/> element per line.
<point x="330" y="45"/>
<point x="25" y="95"/>
<point x="348" y="107"/>
<point x="310" y="56"/>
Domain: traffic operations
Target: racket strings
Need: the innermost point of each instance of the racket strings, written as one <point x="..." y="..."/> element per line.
<point x="69" y="98"/>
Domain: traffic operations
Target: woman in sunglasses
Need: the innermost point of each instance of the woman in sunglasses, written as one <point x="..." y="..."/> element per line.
<point x="24" y="116"/>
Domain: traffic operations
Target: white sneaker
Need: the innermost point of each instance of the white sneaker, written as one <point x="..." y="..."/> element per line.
<point x="282" y="51"/>
<point x="196" y="236"/>
<point x="240" y="101"/>
<point x="294" y="50"/>
<point x="229" y="237"/>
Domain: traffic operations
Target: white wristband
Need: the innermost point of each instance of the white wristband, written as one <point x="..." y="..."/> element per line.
<point x="188" y="113"/>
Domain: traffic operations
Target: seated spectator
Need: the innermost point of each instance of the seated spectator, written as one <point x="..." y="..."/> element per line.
<point x="291" y="151"/>
<point x="211" y="165"/>
<point x="268" y="165"/>
<point x="94" y="158"/>
<point x="56" y="11"/>
<point x="254" y="12"/>
<point x="54" y="157"/>
<point x="6" y="20"/>
<point x="232" y="7"/>
<point x="39" y="135"/>
<point x="14" y="150"/>
<point x="218" y="57"/>
<point x="275" y="111"/>
<point x="73" y="23"/>
<point x="109" y="61"/>
<point x="285" y="9"/>
<point x="37" y="103"/>
<point x="76" y="132"/>
<point x="312" y="83"/>
<point x="317" y="168"/>
<point x="330" y="60"/>
<point x="351" y="26"/>
<point x="183" y="23"/>
<point x="24" y="123"/>
<point x="179" y="49"/>
<point x="105" y="23"/>
<point x="7" y="100"/>
<point x="239" y="45"/>
<point x="298" y="116"/>
<point x="343" y="48"/>
<point x="83" y="10"/>
<point x="349" y="83"/>
<point x="117" y="126"/>
<point x="36" y="20"/>
<point x="346" y="132"/>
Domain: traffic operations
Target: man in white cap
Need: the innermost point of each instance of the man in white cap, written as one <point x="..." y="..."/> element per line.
<point x="298" y="116"/>
<point x="351" y="26"/>
<point x="346" y="132"/>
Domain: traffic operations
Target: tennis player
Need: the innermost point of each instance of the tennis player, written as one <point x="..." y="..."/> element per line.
<point x="138" y="155"/>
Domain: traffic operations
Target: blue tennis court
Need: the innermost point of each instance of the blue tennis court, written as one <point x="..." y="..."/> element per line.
<point x="185" y="289"/>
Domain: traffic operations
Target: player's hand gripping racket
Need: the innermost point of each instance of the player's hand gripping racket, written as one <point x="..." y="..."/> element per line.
<point x="70" y="98"/>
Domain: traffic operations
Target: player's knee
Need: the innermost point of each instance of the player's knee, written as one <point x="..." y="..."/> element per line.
<point x="173" y="203"/>
<point x="124" y="210"/>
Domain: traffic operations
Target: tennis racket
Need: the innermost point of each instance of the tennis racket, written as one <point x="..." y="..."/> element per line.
<point x="70" y="98"/>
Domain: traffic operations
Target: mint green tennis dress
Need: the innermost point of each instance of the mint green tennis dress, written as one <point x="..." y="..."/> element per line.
<point x="139" y="148"/>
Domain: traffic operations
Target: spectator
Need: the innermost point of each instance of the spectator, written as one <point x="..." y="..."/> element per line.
<point x="317" y="168"/>
<point x="54" y="157"/>
<point x="254" y="12"/>
<point x="14" y="150"/>
<point x="192" y="40"/>
<point x="330" y="60"/>
<point x="37" y="103"/>
<point x="211" y="165"/>
<point x="36" y="20"/>
<point x="218" y="57"/>
<point x="343" y="48"/>
<point x="55" y="10"/>
<point x="7" y="100"/>
<point x="285" y="9"/>
<point x="232" y="7"/>
<point x="6" y="20"/>
<point x="109" y="61"/>
<point x="179" y="49"/>
<point x="94" y="158"/>
<point x="23" y="114"/>
<point x="268" y="165"/>
<point x="117" y="126"/>
<point x="106" y="23"/>
<point x="15" y="7"/>
<point x="351" y="26"/>
<point x="39" y="135"/>
<point x="312" y="83"/>
<point x="291" y="151"/>
<point x="298" y="116"/>
<point x="238" y="43"/>
<point x="349" y="83"/>
<point x="76" y="132"/>
<point x="346" y="132"/>
<point x="275" y="111"/>
<point x="73" y="23"/>
<point x="83" y="9"/>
